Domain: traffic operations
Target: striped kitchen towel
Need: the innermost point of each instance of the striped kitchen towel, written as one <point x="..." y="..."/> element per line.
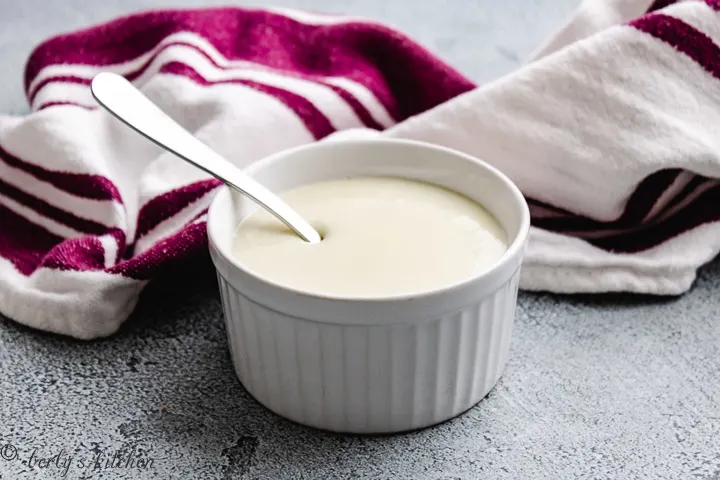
<point x="611" y="131"/>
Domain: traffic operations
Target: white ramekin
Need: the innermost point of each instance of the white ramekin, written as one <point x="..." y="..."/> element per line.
<point x="379" y="365"/>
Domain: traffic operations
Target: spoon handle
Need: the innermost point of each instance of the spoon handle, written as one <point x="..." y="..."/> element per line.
<point x="118" y="96"/>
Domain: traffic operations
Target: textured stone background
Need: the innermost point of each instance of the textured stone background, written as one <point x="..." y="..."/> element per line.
<point x="596" y="387"/>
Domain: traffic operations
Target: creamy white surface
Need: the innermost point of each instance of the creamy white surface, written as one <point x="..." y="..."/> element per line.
<point x="382" y="236"/>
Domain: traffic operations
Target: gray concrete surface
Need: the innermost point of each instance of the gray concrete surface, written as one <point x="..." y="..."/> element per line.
<point x="596" y="387"/>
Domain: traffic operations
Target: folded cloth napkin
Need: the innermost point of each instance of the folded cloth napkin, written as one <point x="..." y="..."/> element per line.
<point x="611" y="131"/>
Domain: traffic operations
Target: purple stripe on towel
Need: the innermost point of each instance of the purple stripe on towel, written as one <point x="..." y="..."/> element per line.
<point x="638" y="206"/>
<point x="660" y="4"/>
<point x="317" y="123"/>
<point x="363" y="114"/>
<point x="82" y="225"/>
<point x="63" y="104"/>
<point x="354" y="103"/>
<point x="32" y="246"/>
<point x="683" y="38"/>
<point x="28" y="243"/>
<point x="654" y="233"/>
<point x="80" y="254"/>
<point x="83" y="185"/>
<point x="405" y="77"/>
<point x="684" y="193"/>
<point x="168" y="204"/>
<point x="60" y="78"/>
<point x="694" y="215"/>
<point x="166" y="254"/>
<point x="714" y="4"/>
<point x="196" y="217"/>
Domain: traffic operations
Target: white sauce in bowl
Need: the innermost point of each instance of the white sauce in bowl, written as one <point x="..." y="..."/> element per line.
<point x="381" y="236"/>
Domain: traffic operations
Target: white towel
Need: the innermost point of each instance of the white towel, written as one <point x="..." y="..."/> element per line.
<point x="611" y="132"/>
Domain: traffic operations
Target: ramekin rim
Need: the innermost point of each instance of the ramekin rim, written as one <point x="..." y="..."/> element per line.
<point x="514" y="249"/>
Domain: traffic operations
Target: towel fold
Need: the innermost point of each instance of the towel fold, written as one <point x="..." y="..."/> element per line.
<point x="611" y="132"/>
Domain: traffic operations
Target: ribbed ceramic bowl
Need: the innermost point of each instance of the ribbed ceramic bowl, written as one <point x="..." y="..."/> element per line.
<point x="375" y="365"/>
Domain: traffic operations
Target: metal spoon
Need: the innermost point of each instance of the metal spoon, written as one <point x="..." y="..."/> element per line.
<point x="127" y="103"/>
